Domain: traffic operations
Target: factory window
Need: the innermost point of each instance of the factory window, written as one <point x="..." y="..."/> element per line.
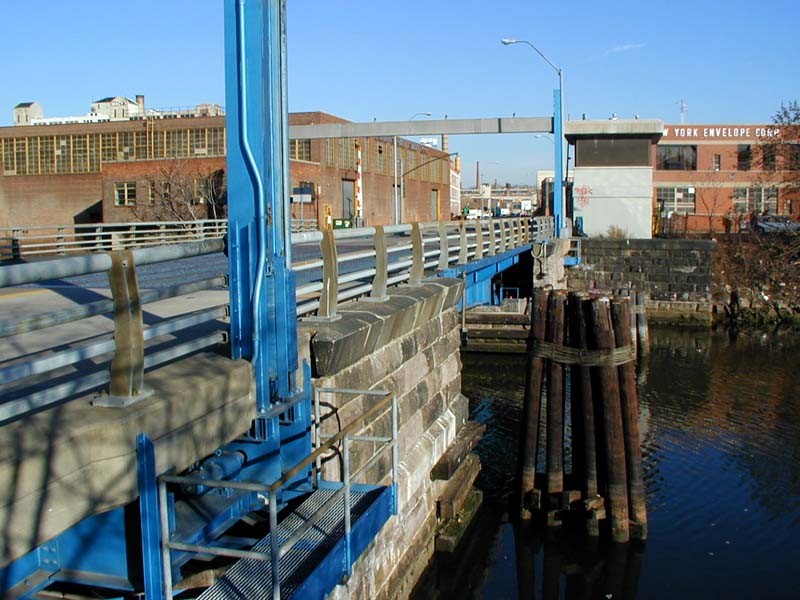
<point x="676" y="157"/>
<point x="63" y="151"/>
<point x="216" y="141"/>
<point x="198" y="142"/>
<point x="176" y="144"/>
<point x="347" y="153"/>
<point x="612" y="152"/>
<point x="330" y="158"/>
<point x="125" y="147"/>
<point x="380" y="160"/>
<point x="755" y="199"/>
<point x="794" y="157"/>
<point x="717" y="162"/>
<point x="743" y="157"/>
<point x="125" y="193"/>
<point x="300" y="150"/>
<point x="676" y="199"/>
<point x="109" y="147"/>
<point x="46" y="156"/>
<point x="21" y="158"/>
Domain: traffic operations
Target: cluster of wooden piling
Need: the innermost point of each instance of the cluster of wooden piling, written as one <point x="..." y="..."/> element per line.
<point x="581" y="380"/>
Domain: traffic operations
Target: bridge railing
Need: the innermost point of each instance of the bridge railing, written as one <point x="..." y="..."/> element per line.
<point x="17" y="243"/>
<point x="350" y="263"/>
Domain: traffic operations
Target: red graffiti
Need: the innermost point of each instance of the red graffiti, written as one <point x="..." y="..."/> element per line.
<point x="583" y="194"/>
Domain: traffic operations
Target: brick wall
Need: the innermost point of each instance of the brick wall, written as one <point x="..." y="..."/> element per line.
<point x="667" y="269"/>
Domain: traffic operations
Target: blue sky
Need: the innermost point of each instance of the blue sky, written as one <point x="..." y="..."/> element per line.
<point x="731" y="62"/>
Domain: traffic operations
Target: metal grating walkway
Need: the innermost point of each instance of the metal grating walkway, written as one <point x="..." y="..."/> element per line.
<point x="252" y="579"/>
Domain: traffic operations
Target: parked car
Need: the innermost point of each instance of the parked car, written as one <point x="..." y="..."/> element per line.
<point x="774" y="224"/>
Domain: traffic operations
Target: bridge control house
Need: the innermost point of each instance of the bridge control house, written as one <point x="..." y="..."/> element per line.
<point x="636" y="178"/>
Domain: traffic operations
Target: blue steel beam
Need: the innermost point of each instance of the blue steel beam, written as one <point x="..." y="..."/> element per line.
<point x="558" y="139"/>
<point x="262" y="284"/>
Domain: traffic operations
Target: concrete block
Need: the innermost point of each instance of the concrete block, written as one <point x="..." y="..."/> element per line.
<point x="78" y="460"/>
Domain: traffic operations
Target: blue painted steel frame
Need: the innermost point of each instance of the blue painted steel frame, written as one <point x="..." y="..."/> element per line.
<point x="262" y="284"/>
<point x="558" y="139"/>
<point x="478" y="274"/>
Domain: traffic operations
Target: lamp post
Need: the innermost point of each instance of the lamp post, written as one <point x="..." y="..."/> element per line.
<point x="397" y="216"/>
<point x="558" y="133"/>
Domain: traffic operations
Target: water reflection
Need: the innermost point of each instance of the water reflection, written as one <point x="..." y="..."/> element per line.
<point x="720" y="421"/>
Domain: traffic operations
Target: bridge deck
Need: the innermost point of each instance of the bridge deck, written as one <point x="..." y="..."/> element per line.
<point x="75" y="460"/>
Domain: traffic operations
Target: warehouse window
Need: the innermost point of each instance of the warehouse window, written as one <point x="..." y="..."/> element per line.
<point x="674" y="157"/>
<point x="743" y="157"/>
<point x="612" y="152"/>
<point x="676" y="199"/>
<point x="300" y="150"/>
<point x="717" y="162"/>
<point x="125" y="193"/>
<point x="756" y="199"/>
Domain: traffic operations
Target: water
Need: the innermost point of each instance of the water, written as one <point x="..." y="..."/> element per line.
<point x="721" y="444"/>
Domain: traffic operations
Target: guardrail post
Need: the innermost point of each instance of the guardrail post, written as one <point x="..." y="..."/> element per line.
<point x="330" y="276"/>
<point x="478" y="239"/>
<point x="60" y="239"/>
<point x="417" y="255"/>
<point x="379" y="282"/>
<point x="127" y="366"/>
<point x="462" y="252"/>
<point x="444" y="249"/>
<point x="492" y="238"/>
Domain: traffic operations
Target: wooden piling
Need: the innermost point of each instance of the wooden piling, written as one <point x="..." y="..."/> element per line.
<point x="583" y="423"/>
<point x="532" y="405"/>
<point x="620" y="316"/>
<point x="616" y="493"/>
<point x="555" y="404"/>
<point x="643" y="335"/>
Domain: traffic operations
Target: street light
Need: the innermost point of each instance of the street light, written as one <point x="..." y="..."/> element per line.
<point x="558" y="131"/>
<point x="397" y="215"/>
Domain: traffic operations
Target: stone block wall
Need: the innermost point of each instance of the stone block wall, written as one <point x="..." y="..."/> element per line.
<point x="669" y="270"/>
<point x="409" y="345"/>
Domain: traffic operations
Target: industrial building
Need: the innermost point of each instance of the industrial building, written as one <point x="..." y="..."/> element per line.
<point x="636" y="178"/>
<point x="122" y="162"/>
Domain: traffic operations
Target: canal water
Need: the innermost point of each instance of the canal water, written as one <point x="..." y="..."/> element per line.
<point x="721" y="442"/>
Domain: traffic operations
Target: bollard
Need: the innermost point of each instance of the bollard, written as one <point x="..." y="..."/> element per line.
<point x="620" y="315"/>
<point x="532" y="405"/>
<point x="616" y="495"/>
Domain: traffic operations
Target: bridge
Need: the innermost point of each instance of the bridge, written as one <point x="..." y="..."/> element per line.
<point x="280" y="417"/>
<point x="72" y="402"/>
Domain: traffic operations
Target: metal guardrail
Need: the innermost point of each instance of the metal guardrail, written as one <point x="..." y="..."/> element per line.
<point x="382" y="256"/>
<point x="17" y="243"/>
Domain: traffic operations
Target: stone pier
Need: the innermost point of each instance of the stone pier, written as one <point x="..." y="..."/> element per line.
<point x="407" y="344"/>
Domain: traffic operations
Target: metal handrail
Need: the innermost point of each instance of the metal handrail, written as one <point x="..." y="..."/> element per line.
<point x="278" y="548"/>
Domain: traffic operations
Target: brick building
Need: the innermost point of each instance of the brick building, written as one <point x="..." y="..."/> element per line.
<point x="167" y="165"/>
<point x="640" y="177"/>
<point x="705" y="175"/>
